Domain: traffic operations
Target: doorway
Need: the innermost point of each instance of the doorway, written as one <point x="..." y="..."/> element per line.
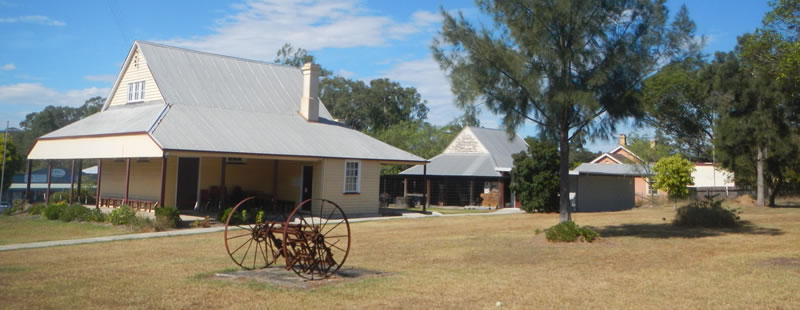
<point x="188" y="172"/>
<point x="308" y="181"/>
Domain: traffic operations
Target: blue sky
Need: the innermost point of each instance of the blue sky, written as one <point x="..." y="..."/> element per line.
<point x="63" y="52"/>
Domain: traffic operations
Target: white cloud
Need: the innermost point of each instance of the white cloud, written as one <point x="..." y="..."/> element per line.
<point x="35" y="94"/>
<point x="33" y="19"/>
<point x="345" y="74"/>
<point x="433" y="85"/>
<point x="259" y="28"/>
<point x="8" y="67"/>
<point x="101" y="78"/>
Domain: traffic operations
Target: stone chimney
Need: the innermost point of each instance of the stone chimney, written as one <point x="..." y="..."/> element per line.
<point x="652" y="143"/>
<point x="622" y="141"/>
<point x="309" y="103"/>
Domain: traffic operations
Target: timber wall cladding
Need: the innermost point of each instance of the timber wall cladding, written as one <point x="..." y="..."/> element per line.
<point x="136" y="71"/>
<point x="364" y="203"/>
<point x="465" y="143"/>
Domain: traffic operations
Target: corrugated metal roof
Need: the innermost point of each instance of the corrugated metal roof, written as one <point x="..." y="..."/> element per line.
<point x="499" y="158"/>
<point x="498" y="144"/>
<point x="198" y="128"/>
<point x="608" y="169"/>
<point x="116" y="120"/>
<point x="458" y="164"/>
<point x="187" y="77"/>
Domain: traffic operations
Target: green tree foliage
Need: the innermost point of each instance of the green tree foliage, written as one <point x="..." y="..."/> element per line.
<point x="673" y="175"/>
<point x="37" y="124"/>
<point x="758" y="128"/>
<point x="536" y="177"/>
<point x="570" y="67"/>
<point x="416" y="137"/>
<point x="784" y="21"/>
<point x="374" y="106"/>
<point x="13" y="162"/>
<point x="682" y="103"/>
<point x="368" y="107"/>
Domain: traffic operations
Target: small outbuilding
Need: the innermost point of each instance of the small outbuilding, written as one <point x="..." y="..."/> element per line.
<point x="602" y="187"/>
<point x="474" y="169"/>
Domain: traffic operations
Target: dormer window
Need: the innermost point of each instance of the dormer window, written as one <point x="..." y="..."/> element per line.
<point x="136" y="91"/>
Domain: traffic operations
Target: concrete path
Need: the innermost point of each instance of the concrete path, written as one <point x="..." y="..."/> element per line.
<point x="195" y="231"/>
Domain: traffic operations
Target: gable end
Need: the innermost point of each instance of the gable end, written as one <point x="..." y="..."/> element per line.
<point x="134" y="70"/>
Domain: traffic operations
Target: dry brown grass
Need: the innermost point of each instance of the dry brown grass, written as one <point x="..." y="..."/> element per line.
<point x="449" y="262"/>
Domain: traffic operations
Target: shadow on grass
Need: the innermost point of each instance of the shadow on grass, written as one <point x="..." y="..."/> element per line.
<point x="786" y="205"/>
<point x="666" y="230"/>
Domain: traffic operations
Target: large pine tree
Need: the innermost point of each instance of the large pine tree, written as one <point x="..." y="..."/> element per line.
<point x="572" y="67"/>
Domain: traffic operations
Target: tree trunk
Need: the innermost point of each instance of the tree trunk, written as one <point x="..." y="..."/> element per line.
<point x="774" y="192"/>
<point x="760" y="177"/>
<point x="563" y="173"/>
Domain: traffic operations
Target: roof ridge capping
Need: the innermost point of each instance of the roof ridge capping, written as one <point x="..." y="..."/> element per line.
<point x="214" y="54"/>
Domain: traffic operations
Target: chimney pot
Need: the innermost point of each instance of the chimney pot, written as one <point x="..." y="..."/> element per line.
<point x="309" y="103"/>
<point x="622" y="141"/>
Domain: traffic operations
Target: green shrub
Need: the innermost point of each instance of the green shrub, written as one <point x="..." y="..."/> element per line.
<point x="570" y="232"/>
<point x="238" y="217"/>
<point x="74" y="212"/>
<point x="122" y="216"/>
<point x="141" y="224"/>
<point x="59" y="197"/>
<point x="37" y="209"/>
<point x="95" y="215"/>
<point x="706" y="213"/>
<point x="53" y="211"/>
<point x="167" y="218"/>
<point x="17" y="206"/>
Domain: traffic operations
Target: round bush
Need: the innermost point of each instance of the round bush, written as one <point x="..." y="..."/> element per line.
<point x="37" y="209"/>
<point x="706" y="213"/>
<point x="53" y="211"/>
<point x="75" y="212"/>
<point x="122" y="216"/>
<point x="167" y="218"/>
<point x="570" y="232"/>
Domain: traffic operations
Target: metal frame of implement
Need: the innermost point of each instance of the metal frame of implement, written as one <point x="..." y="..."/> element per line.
<point x="314" y="238"/>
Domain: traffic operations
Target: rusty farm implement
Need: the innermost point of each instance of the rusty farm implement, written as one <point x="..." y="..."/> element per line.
<point x="313" y="237"/>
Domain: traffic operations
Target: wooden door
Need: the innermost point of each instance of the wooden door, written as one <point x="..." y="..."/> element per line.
<point x="308" y="181"/>
<point x="188" y="172"/>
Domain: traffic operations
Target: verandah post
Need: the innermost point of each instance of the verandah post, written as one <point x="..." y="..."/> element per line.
<point x="99" y="181"/>
<point x="222" y="184"/>
<point x="80" y="174"/>
<point x="127" y="179"/>
<point x="71" y="180"/>
<point x="28" y="183"/>
<point x="49" y="174"/>
<point x="163" y="180"/>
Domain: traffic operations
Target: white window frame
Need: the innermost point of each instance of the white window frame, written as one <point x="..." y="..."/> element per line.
<point x="357" y="176"/>
<point x="136" y="91"/>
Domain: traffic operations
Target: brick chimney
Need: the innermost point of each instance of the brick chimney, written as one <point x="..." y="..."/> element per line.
<point x="309" y="103"/>
<point x="622" y="141"/>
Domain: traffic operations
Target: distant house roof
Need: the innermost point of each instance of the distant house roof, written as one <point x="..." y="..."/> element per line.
<point x="474" y="151"/>
<point x="223" y="104"/>
<point x="616" y="157"/>
<point x="606" y="169"/>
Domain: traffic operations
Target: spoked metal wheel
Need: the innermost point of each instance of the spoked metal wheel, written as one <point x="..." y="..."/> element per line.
<point x="251" y="244"/>
<point x="317" y="239"/>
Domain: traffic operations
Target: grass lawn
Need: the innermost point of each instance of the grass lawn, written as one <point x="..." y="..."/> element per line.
<point x="440" y="262"/>
<point x="25" y="228"/>
<point x="450" y="210"/>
